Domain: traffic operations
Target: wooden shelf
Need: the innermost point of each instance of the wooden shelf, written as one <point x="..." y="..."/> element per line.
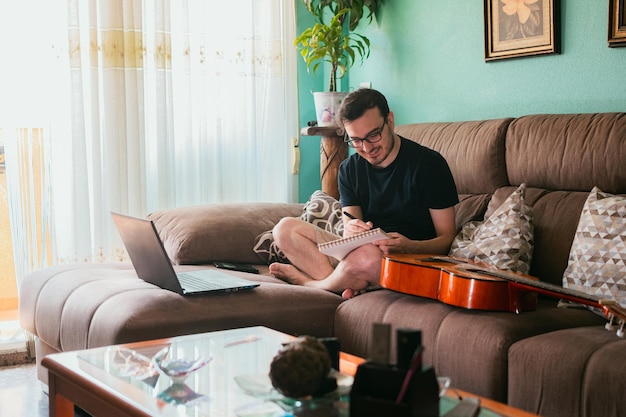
<point x="333" y="150"/>
<point x="322" y="131"/>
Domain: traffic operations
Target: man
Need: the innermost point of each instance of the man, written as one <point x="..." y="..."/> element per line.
<point x="390" y="182"/>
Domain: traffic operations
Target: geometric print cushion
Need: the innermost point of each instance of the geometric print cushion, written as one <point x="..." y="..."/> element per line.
<point x="597" y="259"/>
<point x="322" y="210"/>
<point x="504" y="240"/>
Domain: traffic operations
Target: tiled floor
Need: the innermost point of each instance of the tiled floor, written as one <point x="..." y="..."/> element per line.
<point x="21" y="393"/>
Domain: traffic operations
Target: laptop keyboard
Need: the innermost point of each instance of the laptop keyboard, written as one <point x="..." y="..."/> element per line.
<point x="190" y="281"/>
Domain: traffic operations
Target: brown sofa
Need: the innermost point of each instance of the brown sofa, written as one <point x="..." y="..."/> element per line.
<point x="553" y="361"/>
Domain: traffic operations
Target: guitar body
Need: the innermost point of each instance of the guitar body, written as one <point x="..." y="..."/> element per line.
<point x="454" y="284"/>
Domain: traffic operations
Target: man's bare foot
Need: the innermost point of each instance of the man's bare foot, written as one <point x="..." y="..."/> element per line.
<point x="349" y="293"/>
<point x="289" y="273"/>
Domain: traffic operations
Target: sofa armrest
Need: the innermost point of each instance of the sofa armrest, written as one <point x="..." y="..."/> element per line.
<point x="218" y="232"/>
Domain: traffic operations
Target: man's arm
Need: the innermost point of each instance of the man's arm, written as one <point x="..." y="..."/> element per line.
<point x="445" y="227"/>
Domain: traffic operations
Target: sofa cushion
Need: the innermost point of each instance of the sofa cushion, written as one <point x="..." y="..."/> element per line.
<point x="504" y="239"/>
<point x="218" y="232"/>
<point x="469" y="346"/>
<point x="597" y="260"/>
<point x="470" y="208"/>
<point x="581" y="361"/>
<point x="355" y="316"/>
<point x="321" y="210"/>
<point x="81" y="306"/>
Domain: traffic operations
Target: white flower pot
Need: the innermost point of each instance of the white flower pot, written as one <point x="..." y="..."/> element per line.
<point x="327" y="106"/>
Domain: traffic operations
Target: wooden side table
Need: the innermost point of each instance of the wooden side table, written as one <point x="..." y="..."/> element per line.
<point x="333" y="150"/>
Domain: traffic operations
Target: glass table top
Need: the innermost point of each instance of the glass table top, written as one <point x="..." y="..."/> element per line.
<point x="223" y="373"/>
<point x="212" y="389"/>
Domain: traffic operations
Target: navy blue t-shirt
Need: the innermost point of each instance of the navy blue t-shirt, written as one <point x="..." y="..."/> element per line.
<point x="398" y="198"/>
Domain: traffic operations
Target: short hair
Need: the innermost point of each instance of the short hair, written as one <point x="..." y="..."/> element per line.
<point x="359" y="101"/>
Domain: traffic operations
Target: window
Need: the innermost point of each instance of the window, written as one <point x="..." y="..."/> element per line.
<point x="138" y="106"/>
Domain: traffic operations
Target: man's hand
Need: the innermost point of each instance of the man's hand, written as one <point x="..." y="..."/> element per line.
<point x="355" y="226"/>
<point x="397" y="243"/>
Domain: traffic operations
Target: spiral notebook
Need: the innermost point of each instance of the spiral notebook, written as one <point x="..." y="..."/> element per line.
<point x="341" y="247"/>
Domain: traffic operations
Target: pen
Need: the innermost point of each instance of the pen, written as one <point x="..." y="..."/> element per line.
<point x="415" y="364"/>
<point x="349" y="215"/>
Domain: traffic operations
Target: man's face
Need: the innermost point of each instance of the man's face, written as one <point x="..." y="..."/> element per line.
<point x="372" y="137"/>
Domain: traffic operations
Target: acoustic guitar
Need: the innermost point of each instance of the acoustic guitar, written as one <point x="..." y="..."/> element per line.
<point x="475" y="285"/>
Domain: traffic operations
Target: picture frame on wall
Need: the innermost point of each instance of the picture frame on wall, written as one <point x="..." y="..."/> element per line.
<point x="617" y="23"/>
<point x="516" y="29"/>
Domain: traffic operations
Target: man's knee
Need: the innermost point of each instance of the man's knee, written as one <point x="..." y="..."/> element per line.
<point x="285" y="228"/>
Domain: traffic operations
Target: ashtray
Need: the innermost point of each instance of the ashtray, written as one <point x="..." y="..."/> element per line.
<point x="177" y="369"/>
<point x="132" y="364"/>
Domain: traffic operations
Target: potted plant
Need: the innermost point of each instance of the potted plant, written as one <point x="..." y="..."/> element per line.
<point x="330" y="41"/>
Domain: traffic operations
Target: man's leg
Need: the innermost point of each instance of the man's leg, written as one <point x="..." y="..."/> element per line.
<point x="359" y="270"/>
<point x="298" y="240"/>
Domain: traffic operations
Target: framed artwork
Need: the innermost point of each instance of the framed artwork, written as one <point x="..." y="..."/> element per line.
<point x="617" y="23"/>
<point x="516" y="28"/>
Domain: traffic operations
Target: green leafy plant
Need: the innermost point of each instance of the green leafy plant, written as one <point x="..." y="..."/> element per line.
<point x="357" y="9"/>
<point x="329" y="41"/>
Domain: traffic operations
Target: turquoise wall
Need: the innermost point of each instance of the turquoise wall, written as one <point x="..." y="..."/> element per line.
<point x="428" y="59"/>
<point x="309" y="179"/>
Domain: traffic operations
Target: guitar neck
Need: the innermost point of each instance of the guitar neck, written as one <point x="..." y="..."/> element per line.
<point x="549" y="289"/>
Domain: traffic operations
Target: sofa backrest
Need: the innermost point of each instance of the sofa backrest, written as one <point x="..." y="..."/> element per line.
<point x="560" y="157"/>
<point x="571" y="152"/>
<point x="474" y="150"/>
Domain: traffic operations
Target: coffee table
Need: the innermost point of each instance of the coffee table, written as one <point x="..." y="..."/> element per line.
<point x="108" y="381"/>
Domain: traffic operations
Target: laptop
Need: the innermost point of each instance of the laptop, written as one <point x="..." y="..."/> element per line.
<point x="153" y="265"/>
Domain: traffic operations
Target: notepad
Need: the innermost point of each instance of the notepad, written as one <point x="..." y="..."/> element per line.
<point x="341" y="247"/>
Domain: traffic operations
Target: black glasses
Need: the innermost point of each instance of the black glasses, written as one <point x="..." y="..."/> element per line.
<point x="373" y="137"/>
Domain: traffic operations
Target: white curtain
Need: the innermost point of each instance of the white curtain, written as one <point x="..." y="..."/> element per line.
<point x="157" y="104"/>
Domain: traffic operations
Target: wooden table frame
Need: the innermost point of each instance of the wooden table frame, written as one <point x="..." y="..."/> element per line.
<point x="67" y="388"/>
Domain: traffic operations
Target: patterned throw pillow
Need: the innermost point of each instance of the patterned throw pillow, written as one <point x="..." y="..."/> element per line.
<point x="597" y="259"/>
<point x="322" y="210"/>
<point x="504" y="240"/>
<point x="267" y="249"/>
